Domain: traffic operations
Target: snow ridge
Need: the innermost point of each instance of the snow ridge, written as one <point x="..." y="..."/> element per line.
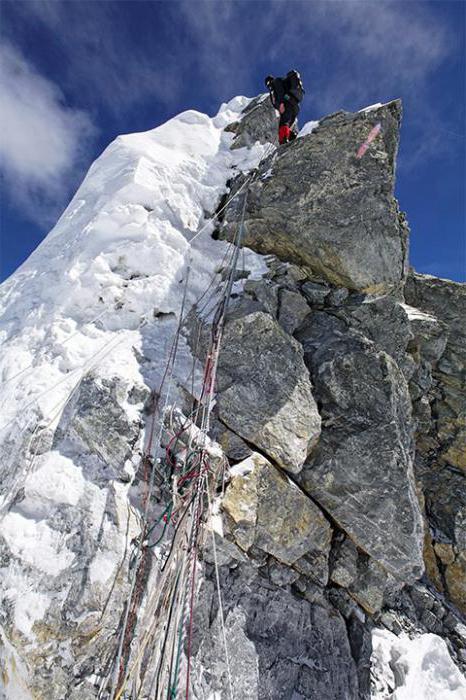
<point x="101" y="291"/>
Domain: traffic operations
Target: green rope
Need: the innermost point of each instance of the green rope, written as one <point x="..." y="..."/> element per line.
<point x="168" y="510"/>
<point x="172" y="689"/>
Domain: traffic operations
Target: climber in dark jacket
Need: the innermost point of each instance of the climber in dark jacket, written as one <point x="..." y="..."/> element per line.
<point x="286" y="94"/>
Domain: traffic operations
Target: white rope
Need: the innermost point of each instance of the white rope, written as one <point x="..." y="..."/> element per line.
<point x="220" y="602"/>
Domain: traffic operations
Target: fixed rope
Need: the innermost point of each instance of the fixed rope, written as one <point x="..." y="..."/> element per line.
<point x="185" y="511"/>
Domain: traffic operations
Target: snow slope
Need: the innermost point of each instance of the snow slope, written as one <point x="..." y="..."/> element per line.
<point x="116" y="255"/>
<point x="101" y="291"/>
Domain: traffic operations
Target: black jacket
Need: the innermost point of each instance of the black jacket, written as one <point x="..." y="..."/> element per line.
<point x="281" y="91"/>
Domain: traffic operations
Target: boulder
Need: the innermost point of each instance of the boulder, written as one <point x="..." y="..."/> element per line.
<point x="293" y="310"/>
<point x="264" y="390"/>
<point x="265" y="509"/>
<point x="362" y="470"/>
<point x="320" y="207"/>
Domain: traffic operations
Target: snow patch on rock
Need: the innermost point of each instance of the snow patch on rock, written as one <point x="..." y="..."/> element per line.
<point x="414" y="669"/>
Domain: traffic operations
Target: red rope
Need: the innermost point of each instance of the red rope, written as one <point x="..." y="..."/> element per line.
<point x="193" y="590"/>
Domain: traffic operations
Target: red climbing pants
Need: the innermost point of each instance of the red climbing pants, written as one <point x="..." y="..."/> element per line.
<point x="284" y="134"/>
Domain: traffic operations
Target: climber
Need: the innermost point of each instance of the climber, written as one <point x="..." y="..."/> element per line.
<point x="285" y="95"/>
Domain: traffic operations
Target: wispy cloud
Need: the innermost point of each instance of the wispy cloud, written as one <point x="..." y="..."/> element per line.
<point x="351" y="53"/>
<point x="42" y="141"/>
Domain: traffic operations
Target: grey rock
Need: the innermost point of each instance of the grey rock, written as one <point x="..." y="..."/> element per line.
<point x="337" y="296"/>
<point x="345" y="564"/>
<point x="450" y="621"/>
<point x="446" y="301"/>
<point x="364" y="578"/>
<point x="428" y="334"/>
<point x="226" y="552"/>
<point x="346" y="227"/>
<point x="422" y="413"/>
<point x="293" y="310"/>
<point x="96" y="417"/>
<point x="421" y="598"/>
<point x="441" y="442"/>
<point x="265" y="293"/>
<point x="431" y="623"/>
<point x="360" y="638"/>
<point x="284" y="647"/>
<point x="362" y="472"/>
<point x="258" y="122"/>
<point x="311" y="591"/>
<point x="388" y="619"/>
<point x="233" y="446"/>
<point x="278" y="417"/>
<point x="316" y="294"/>
<point x="282" y="575"/>
<point x="384" y="321"/>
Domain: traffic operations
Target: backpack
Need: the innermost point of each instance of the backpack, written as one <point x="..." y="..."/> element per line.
<point x="294" y="85"/>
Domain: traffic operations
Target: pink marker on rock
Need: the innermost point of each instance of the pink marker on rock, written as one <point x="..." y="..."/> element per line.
<point x="372" y="134"/>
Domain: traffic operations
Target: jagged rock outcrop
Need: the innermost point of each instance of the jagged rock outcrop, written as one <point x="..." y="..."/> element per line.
<point x="339" y="402"/>
<point x="258" y="123"/>
<point x="316" y="205"/>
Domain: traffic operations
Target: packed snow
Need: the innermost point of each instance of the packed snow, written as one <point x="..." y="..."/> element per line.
<point x="414" y="669"/>
<point x="308" y="128"/>
<point x="372" y="108"/>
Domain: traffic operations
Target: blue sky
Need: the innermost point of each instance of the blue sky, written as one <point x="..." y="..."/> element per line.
<point x="74" y="75"/>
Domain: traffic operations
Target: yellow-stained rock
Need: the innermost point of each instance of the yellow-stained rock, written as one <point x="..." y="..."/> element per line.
<point x="456" y="453"/>
<point x="455" y="577"/>
<point x="264" y="508"/>
<point x="430" y="561"/>
<point x="445" y="553"/>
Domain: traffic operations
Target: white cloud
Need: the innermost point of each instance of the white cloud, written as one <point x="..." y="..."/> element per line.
<point x="42" y="141"/>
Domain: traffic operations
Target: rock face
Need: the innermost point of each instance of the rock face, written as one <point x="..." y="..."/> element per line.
<point x="68" y="567"/>
<point x="362" y="471"/>
<point x="297" y="527"/>
<point x="320" y="207"/>
<point x="258" y="123"/>
<point x="284" y="646"/>
<point x="279" y="418"/>
<point x="339" y="405"/>
<point x="441" y="437"/>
